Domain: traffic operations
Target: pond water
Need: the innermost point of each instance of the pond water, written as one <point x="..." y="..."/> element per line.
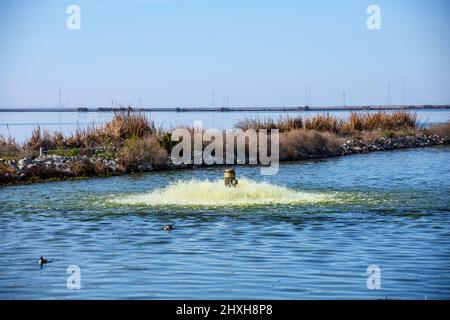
<point x="323" y="224"/>
<point x="21" y="124"/>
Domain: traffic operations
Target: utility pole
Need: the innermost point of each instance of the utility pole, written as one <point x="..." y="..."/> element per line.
<point x="308" y="94"/>
<point x="419" y="98"/>
<point x="344" y="99"/>
<point x="389" y="103"/>
<point x="403" y="92"/>
<point x="213" y="98"/>
<point x="59" y="99"/>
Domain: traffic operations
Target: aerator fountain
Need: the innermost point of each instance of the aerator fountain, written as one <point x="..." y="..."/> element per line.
<point x="229" y="178"/>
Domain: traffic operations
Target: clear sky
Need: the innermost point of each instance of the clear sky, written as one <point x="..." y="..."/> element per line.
<point x="258" y="53"/>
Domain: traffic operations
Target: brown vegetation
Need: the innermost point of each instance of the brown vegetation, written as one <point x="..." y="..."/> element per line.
<point x="130" y="140"/>
<point x="129" y="137"/>
<point x="442" y="130"/>
<point x="328" y="123"/>
<point x="147" y="149"/>
<point x="8" y="146"/>
<point x="301" y="143"/>
<point x="324" y="123"/>
<point x="123" y="126"/>
<point x="283" y="123"/>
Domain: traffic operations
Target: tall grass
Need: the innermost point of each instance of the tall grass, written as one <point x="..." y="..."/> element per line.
<point x="8" y="146"/>
<point x="442" y="130"/>
<point x="123" y="126"/>
<point x="39" y="138"/>
<point x="283" y="123"/>
<point x="329" y="123"/>
<point x="380" y="121"/>
<point x="301" y="143"/>
<point x="145" y="149"/>
<point x="324" y="123"/>
<point x="132" y="138"/>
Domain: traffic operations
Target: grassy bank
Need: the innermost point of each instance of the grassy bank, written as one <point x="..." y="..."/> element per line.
<point x="131" y="142"/>
<point x="129" y="137"/>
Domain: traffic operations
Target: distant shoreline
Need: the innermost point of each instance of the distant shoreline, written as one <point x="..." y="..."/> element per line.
<point x="233" y="109"/>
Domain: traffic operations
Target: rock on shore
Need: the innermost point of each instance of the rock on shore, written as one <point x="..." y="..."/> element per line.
<point x="382" y="144"/>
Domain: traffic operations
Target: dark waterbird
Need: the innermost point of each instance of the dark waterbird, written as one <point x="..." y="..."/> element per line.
<point x="168" y="227"/>
<point x="42" y="261"/>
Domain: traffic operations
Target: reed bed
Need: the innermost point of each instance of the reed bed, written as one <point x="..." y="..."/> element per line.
<point x="9" y="146"/>
<point x="131" y="142"/>
<point x="116" y="136"/>
<point x="442" y="130"/>
<point x="283" y="123"/>
<point x="123" y="126"/>
<point x="146" y="149"/>
<point x="132" y="137"/>
<point x="302" y="144"/>
<point x="328" y="123"/>
<point x="324" y="123"/>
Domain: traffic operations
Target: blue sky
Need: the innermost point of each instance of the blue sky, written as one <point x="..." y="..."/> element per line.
<point x="258" y="53"/>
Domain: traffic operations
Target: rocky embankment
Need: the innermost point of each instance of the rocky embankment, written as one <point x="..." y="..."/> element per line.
<point x="55" y="167"/>
<point x="384" y="144"/>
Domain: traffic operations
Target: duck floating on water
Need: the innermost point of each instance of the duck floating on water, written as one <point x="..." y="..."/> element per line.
<point x="168" y="227"/>
<point x="42" y="261"/>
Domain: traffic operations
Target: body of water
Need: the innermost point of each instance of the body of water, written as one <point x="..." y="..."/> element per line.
<point x="21" y="124"/>
<point x="320" y="226"/>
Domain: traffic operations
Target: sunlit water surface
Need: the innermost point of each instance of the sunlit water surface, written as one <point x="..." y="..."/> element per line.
<point x="310" y="231"/>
